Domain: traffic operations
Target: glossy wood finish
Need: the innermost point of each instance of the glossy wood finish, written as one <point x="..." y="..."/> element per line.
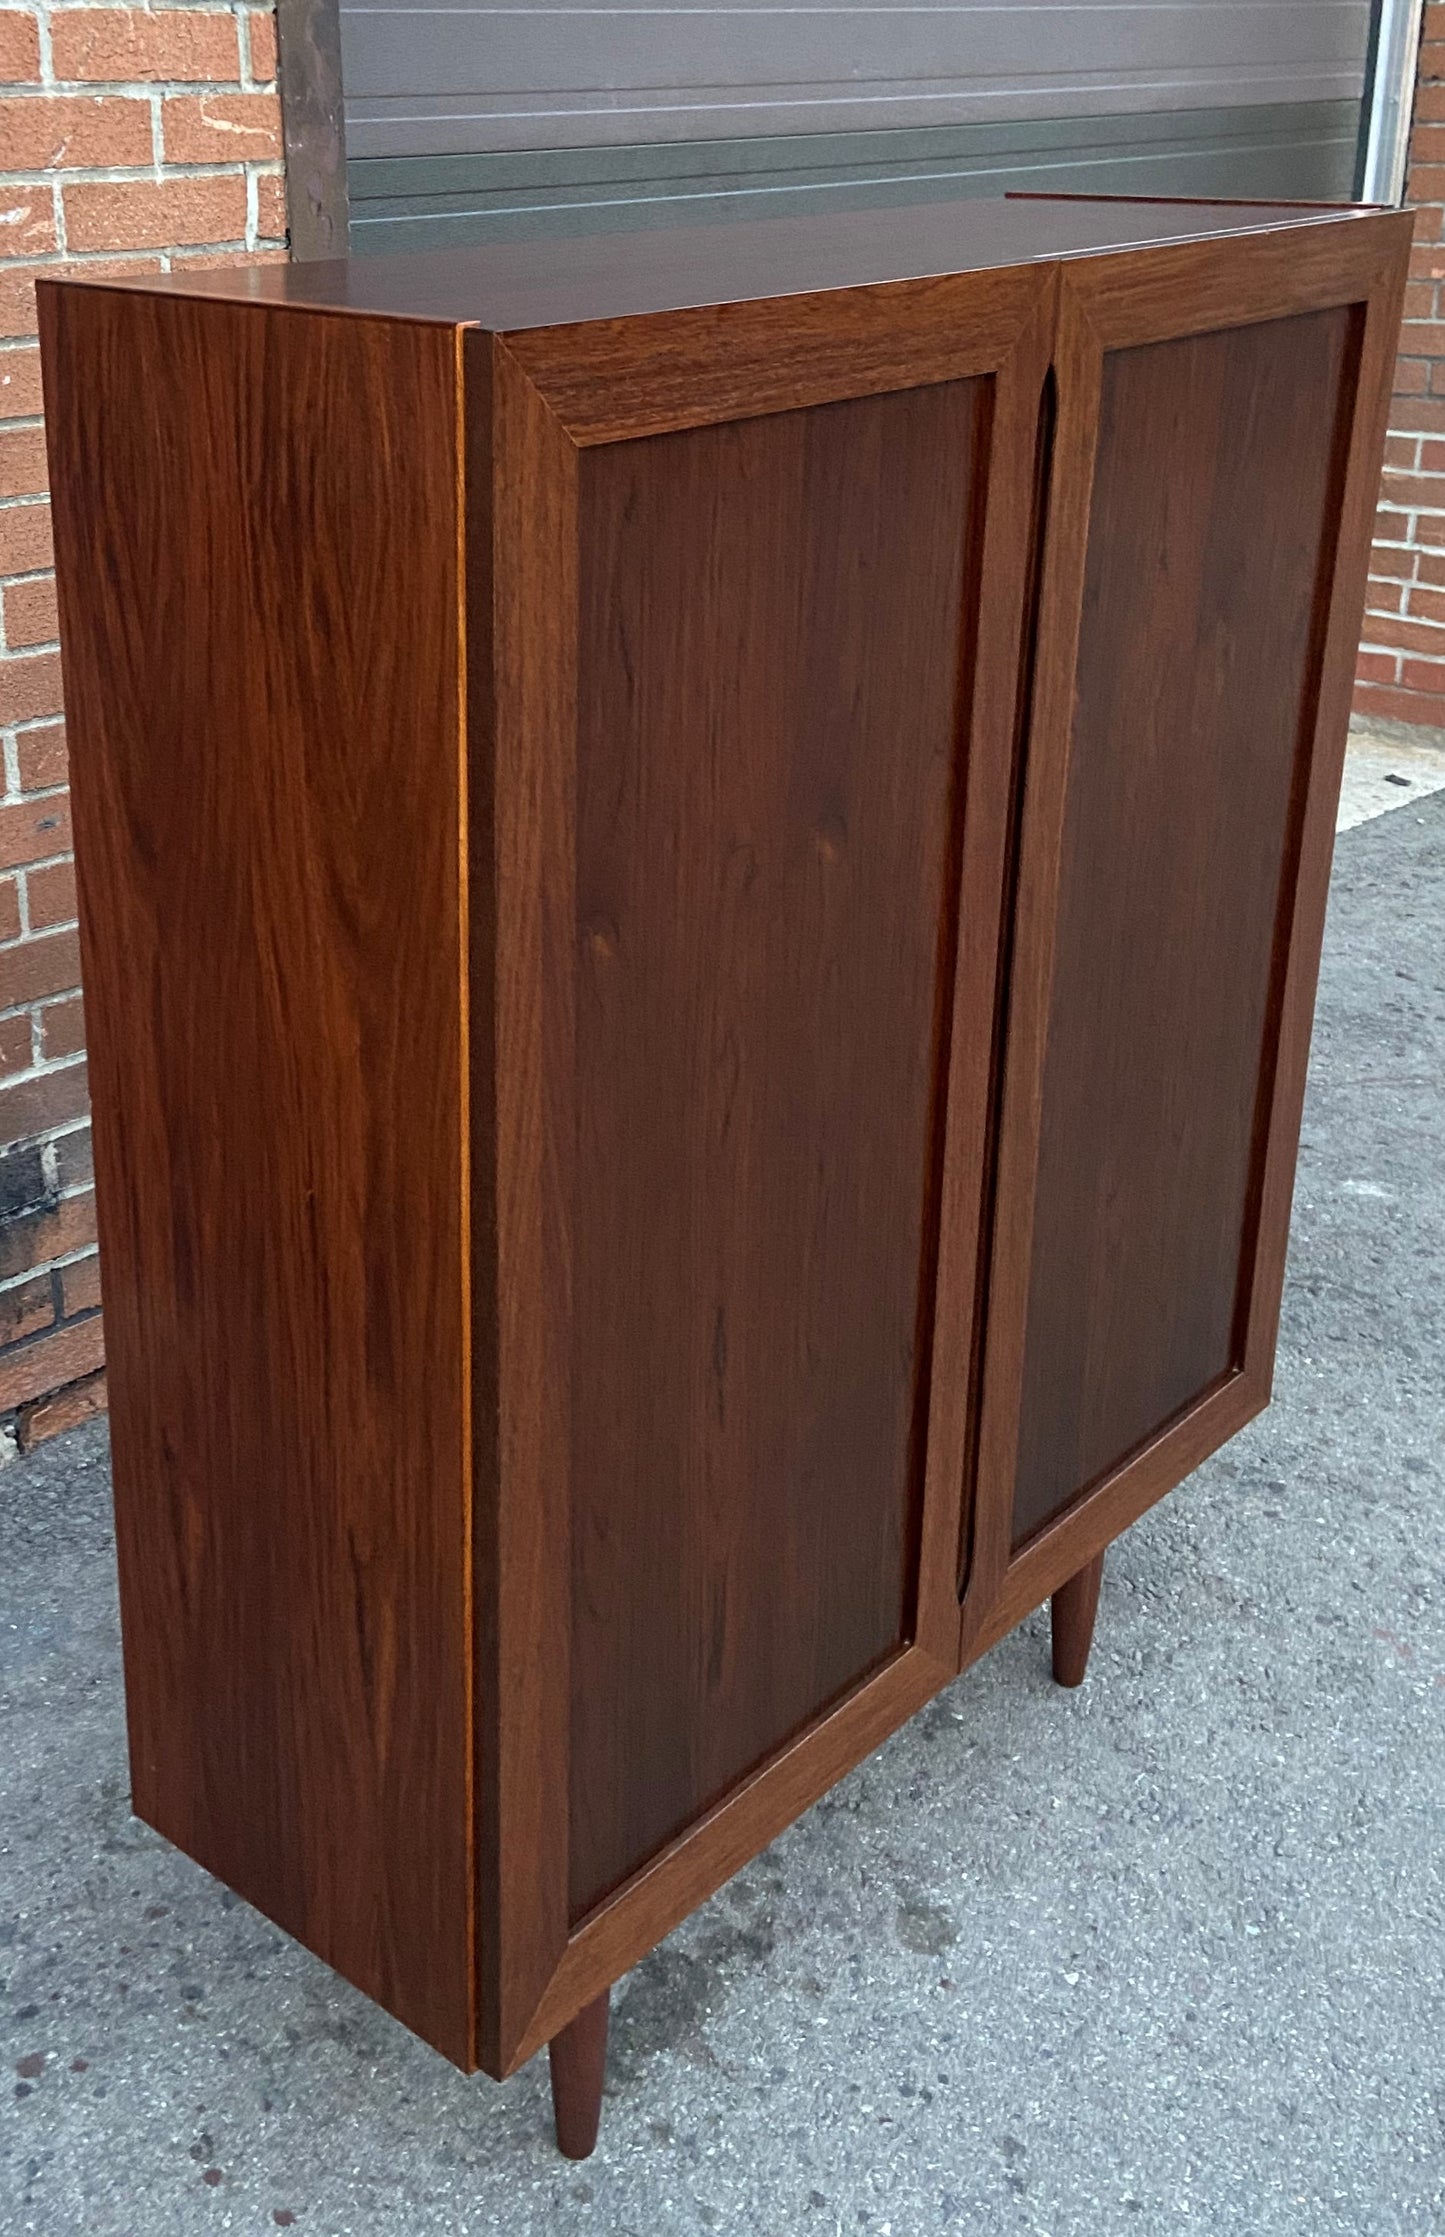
<point x="578" y="2059"/>
<point x="765" y="929"/>
<point x="1211" y="527"/>
<point x="506" y="286"/>
<point x="1075" y="1605"/>
<point x="265" y="773"/>
<point x="549" y="477"/>
<point x="1342" y="296"/>
<point x="769" y="979"/>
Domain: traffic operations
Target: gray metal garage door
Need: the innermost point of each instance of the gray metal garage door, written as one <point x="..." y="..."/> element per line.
<point x="472" y="121"/>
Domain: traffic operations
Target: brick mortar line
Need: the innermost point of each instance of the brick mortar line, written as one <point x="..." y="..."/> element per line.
<point x="41" y="1068"/>
<point x="130" y="174"/>
<point x="47" y="1266"/>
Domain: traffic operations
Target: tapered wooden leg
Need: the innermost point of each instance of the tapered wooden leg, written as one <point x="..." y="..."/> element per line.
<point x="579" y="2059"/>
<point x="1075" y="1605"/>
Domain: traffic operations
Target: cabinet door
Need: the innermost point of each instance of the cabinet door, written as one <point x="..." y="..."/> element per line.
<point x="748" y="752"/>
<point x="1220" y="419"/>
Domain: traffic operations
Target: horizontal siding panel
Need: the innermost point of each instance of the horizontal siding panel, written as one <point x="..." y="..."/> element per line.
<point x="1298" y="150"/>
<point x="424" y="80"/>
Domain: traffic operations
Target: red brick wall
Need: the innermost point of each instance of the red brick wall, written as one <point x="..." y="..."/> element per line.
<point x="130" y="140"/>
<point x="1401" y="671"/>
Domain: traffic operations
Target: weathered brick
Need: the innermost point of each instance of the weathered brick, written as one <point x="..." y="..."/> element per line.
<point x="1411" y="491"/>
<point x="1376" y="667"/>
<point x="9" y="908"/>
<point x="30" y="614"/>
<point x="74" y="131"/>
<point x="41" y="1367"/>
<point x="271" y="219"/>
<point x="1393" y="705"/>
<point x="50" y="1233"/>
<point x="1429" y="604"/>
<point x="1422" y="414"/>
<point x="19" y="48"/>
<point x="62" y="1029"/>
<point x="222" y="128"/>
<point x="1387" y="559"/>
<point x="29" y="687"/>
<point x="27" y="213"/>
<point x="261" y="44"/>
<point x="17" y="1044"/>
<point x="34" y="830"/>
<point x="19" y="383"/>
<point x="1423" y="338"/>
<point x="51" y="1099"/>
<point x="80" y="1286"/>
<point x="25" y="545"/>
<point x="42" y="757"/>
<point x="74" y="1157"/>
<point x="1430" y="567"/>
<point x="26" y="1309"/>
<point x="1412" y="376"/>
<point x="1383" y="629"/>
<point x="23" y="1185"/>
<point x="50" y="894"/>
<point x="115" y="45"/>
<point x="22" y="462"/>
<point x="32" y="969"/>
<point x="17" y="299"/>
<point x="61" y="1409"/>
<point x="1424" y="675"/>
<point x="151" y="213"/>
<point x="1380" y="598"/>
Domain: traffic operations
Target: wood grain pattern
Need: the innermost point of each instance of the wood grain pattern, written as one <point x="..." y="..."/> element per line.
<point x="1194" y="290"/>
<point x="1210" y="536"/>
<point x="986" y="632"/>
<point x="266" y="788"/>
<point x="766" y="878"/>
<point x="617" y="378"/>
<point x="522" y="605"/>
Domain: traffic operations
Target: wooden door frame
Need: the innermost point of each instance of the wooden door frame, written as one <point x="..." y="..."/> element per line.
<point x="540" y="397"/>
<point x="1109" y="303"/>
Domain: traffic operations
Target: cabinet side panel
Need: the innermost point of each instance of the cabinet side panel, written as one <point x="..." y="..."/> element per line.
<point x="257" y="543"/>
<point x="771" y="644"/>
<point x="1211" y="547"/>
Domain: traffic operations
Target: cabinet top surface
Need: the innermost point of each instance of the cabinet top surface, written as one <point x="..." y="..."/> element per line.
<point x="518" y="284"/>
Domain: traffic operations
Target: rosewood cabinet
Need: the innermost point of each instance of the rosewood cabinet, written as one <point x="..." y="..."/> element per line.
<point x="702" y="863"/>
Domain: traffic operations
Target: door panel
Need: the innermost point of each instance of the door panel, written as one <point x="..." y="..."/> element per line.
<point x="1220" y="424"/>
<point x="771" y="632"/>
<point x="752" y="593"/>
<point x="1210" y="534"/>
